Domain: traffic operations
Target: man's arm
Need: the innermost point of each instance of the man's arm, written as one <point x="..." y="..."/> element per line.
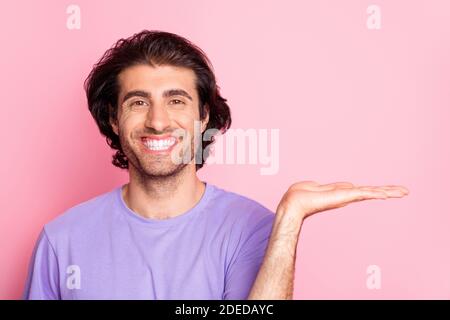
<point x="275" y="278"/>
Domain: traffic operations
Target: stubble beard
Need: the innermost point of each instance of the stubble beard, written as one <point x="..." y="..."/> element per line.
<point x="153" y="166"/>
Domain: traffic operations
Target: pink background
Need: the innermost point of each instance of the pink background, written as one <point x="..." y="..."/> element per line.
<point x="353" y="104"/>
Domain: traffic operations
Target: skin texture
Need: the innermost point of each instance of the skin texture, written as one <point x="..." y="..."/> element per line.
<point x="161" y="189"/>
<point x="155" y="180"/>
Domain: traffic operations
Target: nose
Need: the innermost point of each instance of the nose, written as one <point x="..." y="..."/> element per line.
<point x="157" y="117"/>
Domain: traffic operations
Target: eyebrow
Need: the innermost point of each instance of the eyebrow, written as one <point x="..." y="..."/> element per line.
<point x="166" y="94"/>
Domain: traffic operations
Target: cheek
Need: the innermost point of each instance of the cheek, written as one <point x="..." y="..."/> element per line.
<point x="127" y="124"/>
<point x="186" y="124"/>
<point x="186" y="119"/>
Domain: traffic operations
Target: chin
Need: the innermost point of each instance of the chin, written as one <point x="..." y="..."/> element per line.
<point x="162" y="171"/>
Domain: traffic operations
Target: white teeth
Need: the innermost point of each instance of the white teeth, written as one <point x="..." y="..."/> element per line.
<point x="159" y="144"/>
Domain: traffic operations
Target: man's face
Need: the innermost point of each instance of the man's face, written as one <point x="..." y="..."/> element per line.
<point x="153" y="102"/>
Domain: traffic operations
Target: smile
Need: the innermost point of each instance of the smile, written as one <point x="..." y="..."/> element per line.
<point x="159" y="144"/>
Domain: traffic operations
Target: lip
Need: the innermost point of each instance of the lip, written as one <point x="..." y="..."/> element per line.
<point x="147" y="150"/>
<point x="159" y="137"/>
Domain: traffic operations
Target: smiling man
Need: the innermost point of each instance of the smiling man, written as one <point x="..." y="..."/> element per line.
<point x="166" y="234"/>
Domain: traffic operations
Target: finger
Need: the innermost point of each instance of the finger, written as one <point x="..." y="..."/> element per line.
<point x="378" y="193"/>
<point x="392" y="187"/>
<point x="343" y="197"/>
<point x="391" y="190"/>
<point x="366" y="194"/>
<point x="387" y="187"/>
<point x="335" y="185"/>
<point x="394" y="193"/>
<point x="308" y="185"/>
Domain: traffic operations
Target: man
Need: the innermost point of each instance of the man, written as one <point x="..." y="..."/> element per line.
<point x="166" y="234"/>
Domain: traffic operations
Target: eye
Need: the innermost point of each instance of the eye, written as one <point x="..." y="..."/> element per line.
<point x="176" y="101"/>
<point x="138" y="103"/>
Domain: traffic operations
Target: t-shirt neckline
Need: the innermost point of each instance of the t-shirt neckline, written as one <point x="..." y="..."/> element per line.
<point x="187" y="215"/>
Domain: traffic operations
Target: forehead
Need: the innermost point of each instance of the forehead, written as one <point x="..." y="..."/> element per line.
<point x="157" y="79"/>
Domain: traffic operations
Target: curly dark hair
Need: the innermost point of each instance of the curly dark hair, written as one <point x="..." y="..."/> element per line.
<point x="152" y="48"/>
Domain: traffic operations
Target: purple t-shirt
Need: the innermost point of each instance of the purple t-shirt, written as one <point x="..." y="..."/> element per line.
<point x="101" y="249"/>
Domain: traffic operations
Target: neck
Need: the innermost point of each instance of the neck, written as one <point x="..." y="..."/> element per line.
<point x="163" y="197"/>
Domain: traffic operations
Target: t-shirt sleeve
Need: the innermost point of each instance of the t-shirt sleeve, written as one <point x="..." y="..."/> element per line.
<point x="242" y="272"/>
<point x="42" y="282"/>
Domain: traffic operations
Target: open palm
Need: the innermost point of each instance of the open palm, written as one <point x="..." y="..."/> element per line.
<point x="309" y="197"/>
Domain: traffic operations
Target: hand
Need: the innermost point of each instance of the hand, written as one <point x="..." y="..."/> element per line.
<point x="308" y="197"/>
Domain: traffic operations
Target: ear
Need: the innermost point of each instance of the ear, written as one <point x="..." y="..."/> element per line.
<point x="206" y="119"/>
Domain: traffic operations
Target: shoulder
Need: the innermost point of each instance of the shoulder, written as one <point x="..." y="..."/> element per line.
<point x="81" y="217"/>
<point x="240" y="207"/>
<point x="245" y="222"/>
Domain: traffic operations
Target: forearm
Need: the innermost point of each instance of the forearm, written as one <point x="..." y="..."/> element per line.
<point x="275" y="279"/>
